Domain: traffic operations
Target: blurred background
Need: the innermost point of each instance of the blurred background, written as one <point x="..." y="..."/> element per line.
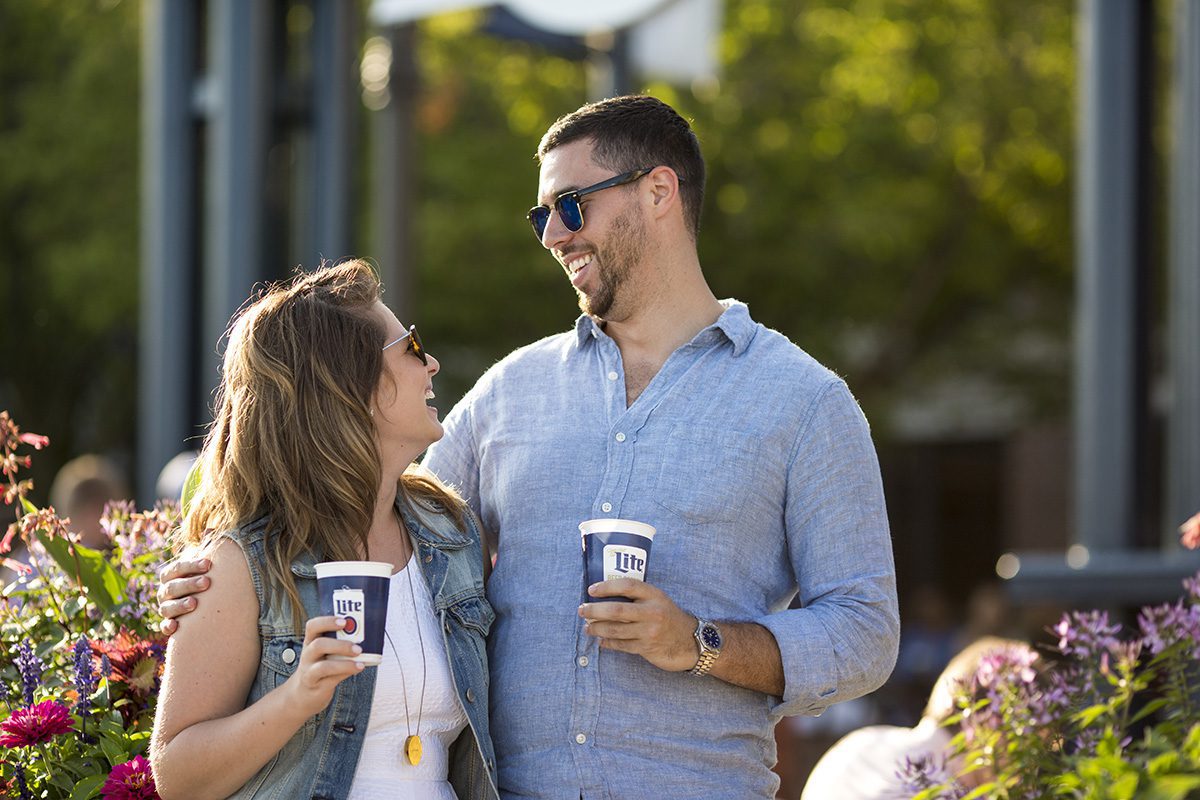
<point x="983" y="215"/>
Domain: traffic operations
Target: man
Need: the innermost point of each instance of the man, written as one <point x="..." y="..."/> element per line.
<point x="667" y="406"/>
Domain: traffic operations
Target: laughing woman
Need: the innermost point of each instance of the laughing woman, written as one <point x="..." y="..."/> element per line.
<point x="321" y="412"/>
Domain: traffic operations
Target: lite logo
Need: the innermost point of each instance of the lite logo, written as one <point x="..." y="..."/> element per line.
<point x="623" y="561"/>
<point x="350" y="603"/>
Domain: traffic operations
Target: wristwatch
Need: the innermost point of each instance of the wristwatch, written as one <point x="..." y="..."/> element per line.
<point x="708" y="636"/>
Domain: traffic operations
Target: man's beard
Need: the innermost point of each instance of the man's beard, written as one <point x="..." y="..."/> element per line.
<point x="623" y="247"/>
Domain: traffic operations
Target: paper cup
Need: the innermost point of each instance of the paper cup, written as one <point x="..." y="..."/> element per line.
<point x="358" y="592"/>
<point x="615" y="548"/>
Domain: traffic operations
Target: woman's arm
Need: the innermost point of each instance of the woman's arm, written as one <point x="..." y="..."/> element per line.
<point x="202" y="717"/>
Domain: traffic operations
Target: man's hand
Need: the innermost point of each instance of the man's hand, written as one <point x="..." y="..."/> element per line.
<point x="177" y="582"/>
<point x="652" y="626"/>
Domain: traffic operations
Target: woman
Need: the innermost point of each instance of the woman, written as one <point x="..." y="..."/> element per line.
<point x="321" y="411"/>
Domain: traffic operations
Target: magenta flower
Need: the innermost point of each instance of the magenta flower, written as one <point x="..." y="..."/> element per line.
<point x="36" y="724"/>
<point x="130" y="781"/>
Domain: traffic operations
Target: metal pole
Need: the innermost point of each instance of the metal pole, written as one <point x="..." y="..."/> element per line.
<point x="167" y="236"/>
<point x="239" y="60"/>
<point x="1183" y="424"/>
<point x="1106" y="245"/>
<point x="333" y="114"/>
<point x="394" y="145"/>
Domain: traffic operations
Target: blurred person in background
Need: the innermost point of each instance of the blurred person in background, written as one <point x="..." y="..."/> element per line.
<point x="866" y="764"/>
<point x="81" y="489"/>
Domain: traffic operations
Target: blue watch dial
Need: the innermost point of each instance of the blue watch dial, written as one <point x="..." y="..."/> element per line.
<point x="711" y="637"/>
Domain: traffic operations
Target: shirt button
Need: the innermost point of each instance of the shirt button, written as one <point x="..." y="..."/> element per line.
<point x="606" y="507"/>
<point x="289" y="656"/>
<point x="583" y="661"/>
<point x="470" y="695"/>
<point x="581" y="739"/>
<point x="612" y="376"/>
<point x="620" y="437"/>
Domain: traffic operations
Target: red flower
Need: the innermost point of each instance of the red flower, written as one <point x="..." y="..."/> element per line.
<point x="130" y="781"/>
<point x="36" y="724"/>
<point x="1189" y="533"/>
<point x="135" y="662"/>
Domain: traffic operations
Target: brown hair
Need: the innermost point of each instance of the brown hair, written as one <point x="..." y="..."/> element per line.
<point x="292" y="436"/>
<point x="635" y="132"/>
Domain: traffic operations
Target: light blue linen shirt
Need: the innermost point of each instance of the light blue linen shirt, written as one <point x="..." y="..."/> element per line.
<point x="756" y="466"/>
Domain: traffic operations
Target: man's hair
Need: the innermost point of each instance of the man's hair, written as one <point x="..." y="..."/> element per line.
<point x="633" y="132"/>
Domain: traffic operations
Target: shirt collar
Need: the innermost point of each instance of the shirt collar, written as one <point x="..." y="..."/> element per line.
<point x="734" y="324"/>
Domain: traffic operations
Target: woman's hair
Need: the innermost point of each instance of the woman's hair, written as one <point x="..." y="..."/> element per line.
<point x="958" y="675"/>
<point x="292" y="436"/>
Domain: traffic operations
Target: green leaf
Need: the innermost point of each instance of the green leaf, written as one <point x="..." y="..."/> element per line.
<point x="114" y="752"/>
<point x="104" y="586"/>
<point x="88" y="788"/>
<point x="190" y="484"/>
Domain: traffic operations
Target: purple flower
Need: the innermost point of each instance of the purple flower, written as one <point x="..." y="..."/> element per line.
<point x="928" y="771"/>
<point x="1086" y="634"/>
<point x="30" y="667"/>
<point x="105" y="666"/>
<point x="1192" y="587"/>
<point x="130" y="781"/>
<point x="85" y="676"/>
<point x="1170" y="624"/>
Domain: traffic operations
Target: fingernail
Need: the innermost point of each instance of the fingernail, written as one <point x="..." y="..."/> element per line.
<point x="204" y="583"/>
<point x="359" y="664"/>
<point x="356" y="649"/>
<point x="204" y="562"/>
<point x="341" y="622"/>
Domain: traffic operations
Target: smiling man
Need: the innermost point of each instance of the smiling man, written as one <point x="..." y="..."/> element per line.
<point x="668" y="406"/>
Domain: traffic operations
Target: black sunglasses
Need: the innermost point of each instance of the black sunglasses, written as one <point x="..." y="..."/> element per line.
<point x="567" y="203"/>
<point x="414" y="344"/>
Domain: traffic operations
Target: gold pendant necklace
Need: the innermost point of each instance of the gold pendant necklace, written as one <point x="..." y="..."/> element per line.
<point x="412" y="744"/>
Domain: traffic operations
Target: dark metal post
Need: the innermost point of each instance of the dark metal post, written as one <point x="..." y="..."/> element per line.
<point x="1183" y="426"/>
<point x="394" y="144"/>
<point x="333" y="112"/>
<point x="168" y="236"/>
<point x="239" y="64"/>
<point x="1107" y="285"/>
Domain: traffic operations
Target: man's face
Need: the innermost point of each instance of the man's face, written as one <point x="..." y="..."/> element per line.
<point x="600" y="258"/>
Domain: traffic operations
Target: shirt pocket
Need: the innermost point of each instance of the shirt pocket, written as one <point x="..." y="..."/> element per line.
<point x="709" y="477"/>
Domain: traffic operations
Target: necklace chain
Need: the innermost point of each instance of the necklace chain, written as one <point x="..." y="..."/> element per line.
<point x="412" y="564"/>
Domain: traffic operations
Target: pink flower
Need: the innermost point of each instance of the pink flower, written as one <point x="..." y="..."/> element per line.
<point x="36" y="724"/>
<point x="1189" y="533"/>
<point x="130" y="781"/>
<point x="34" y="440"/>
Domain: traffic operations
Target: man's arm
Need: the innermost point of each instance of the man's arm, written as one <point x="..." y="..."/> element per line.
<point x="653" y="627"/>
<point x="178" y="582"/>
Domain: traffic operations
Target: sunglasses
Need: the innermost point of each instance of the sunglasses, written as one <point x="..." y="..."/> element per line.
<point x="567" y="203"/>
<point x="414" y="344"/>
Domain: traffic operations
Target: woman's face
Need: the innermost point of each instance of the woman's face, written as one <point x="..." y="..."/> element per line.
<point x="404" y="420"/>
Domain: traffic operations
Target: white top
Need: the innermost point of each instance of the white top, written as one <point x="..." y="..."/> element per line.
<point x="862" y="764"/>
<point x="383" y="770"/>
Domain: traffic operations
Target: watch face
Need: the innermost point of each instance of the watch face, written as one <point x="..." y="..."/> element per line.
<point x="711" y="637"/>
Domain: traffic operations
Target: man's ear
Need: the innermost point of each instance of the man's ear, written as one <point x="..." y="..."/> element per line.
<point x="664" y="189"/>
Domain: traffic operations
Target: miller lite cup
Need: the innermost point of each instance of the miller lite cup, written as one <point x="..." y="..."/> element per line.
<point x="356" y="591"/>
<point x="615" y="548"/>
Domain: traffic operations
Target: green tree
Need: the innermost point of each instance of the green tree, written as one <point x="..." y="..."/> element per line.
<point x="68" y="221"/>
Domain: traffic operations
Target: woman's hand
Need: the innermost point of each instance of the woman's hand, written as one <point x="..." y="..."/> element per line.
<point x="311" y="686"/>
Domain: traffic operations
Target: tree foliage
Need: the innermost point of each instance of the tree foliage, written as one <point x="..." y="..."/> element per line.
<point x="889" y="186"/>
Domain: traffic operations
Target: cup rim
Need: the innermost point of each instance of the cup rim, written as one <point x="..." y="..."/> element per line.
<point x="616" y="525"/>
<point x="340" y="569"/>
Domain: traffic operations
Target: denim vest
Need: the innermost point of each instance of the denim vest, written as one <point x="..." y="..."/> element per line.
<point x="320" y="760"/>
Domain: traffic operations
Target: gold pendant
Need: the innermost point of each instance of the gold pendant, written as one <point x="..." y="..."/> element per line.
<point x="412" y="749"/>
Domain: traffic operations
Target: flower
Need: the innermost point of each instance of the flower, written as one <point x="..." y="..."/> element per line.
<point x="130" y="781"/>
<point x="85" y="676"/>
<point x="1189" y="533"/>
<point x="36" y="724"/>
<point x="30" y="667"/>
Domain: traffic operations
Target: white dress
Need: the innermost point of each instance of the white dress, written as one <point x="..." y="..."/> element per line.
<point x="383" y="771"/>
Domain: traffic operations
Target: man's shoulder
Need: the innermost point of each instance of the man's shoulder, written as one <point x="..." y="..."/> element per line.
<point x="535" y="356"/>
<point x="777" y="357"/>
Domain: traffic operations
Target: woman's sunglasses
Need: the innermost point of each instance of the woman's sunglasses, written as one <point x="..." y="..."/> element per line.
<point x="567" y="203"/>
<point x="414" y="344"/>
